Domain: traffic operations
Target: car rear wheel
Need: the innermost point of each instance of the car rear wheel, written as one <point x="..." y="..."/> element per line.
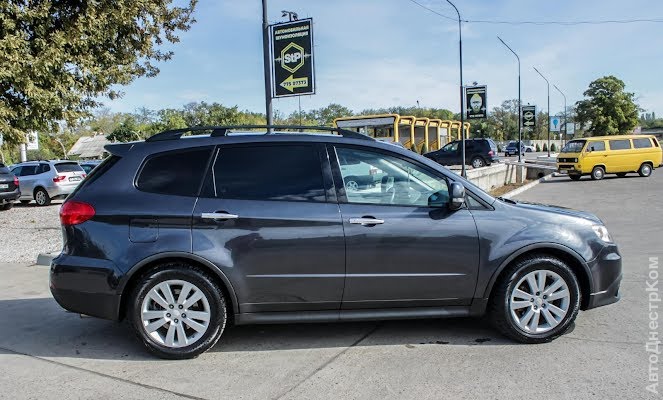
<point x="536" y="301"/>
<point x="645" y="170"/>
<point x="478" y="162"/>
<point x="351" y="184"/>
<point x="575" y="177"/>
<point x="7" y="206"/>
<point x="598" y="173"/>
<point x="178" y="311"/>
<point x="42" y="198"/>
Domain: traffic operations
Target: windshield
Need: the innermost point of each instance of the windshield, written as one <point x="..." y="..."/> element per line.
<point x="453" y="146"/>
<point x="574" y="146"/>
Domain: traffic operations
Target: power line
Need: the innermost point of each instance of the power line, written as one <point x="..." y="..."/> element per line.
<point x="564" y="23"/>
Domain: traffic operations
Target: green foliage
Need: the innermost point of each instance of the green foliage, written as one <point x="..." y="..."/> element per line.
<point x="608" y="109"/>
<point x="413" y="147"/>
<point x="424" y="148"/>
<point x="538" y="148"/>
<point x="422" y="112"/>
<point x="58" y="58"/>
<point x="553" y="148"/>
<point x="545" y="147"/>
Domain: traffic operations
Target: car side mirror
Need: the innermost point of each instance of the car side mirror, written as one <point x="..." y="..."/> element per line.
<point x="456" y="196"/>
<point x="439" y="199"/>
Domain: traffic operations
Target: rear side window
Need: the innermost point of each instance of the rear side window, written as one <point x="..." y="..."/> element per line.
<point x="290" y="173"/>
<point x="176" y="173"/>
<point x="67" y="167"/>
<point x="596" y="146"/>
<point x="43" y="168"/>
<point x="28" y="170"/>
<point x="620" y="144"/>
<point x="642" y="143"/>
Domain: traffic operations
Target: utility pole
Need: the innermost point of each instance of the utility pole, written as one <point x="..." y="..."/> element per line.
<point x="463" y="173"/>
<point x="267" y="65"/>
<point x="520" y="111"/>
<point x="563" y="95"/>
<point x="547" y="83"/>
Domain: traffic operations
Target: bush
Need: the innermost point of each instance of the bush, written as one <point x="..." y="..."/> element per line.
<point x="553" y="148"/>
<point x="538" y="148"/>
<point x="545" y="147"/>
<point x="413" y="147"/>
<point x="424" y="149"/>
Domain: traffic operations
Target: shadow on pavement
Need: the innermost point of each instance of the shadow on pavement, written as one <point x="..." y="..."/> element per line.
<point x="39" y="327"/>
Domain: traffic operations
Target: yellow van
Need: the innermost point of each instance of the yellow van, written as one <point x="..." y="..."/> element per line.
<point x="619" y="154"/>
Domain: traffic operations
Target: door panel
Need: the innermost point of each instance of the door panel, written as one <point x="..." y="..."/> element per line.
<point x="413" y="255"/>
<point x="281" y="240"/>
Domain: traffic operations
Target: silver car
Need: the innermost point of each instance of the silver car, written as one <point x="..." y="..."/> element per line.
<point x="44" y="181"/>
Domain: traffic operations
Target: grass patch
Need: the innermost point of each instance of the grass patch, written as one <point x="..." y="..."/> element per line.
<point x="502" y="190"/>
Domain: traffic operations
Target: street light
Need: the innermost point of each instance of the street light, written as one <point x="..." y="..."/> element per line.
<point x="563" y="95"/>
<point x="266" y="65"/>
<point x="520" y="112"/>
<point x="547" y="83"/>
<point x="462" y="112"/>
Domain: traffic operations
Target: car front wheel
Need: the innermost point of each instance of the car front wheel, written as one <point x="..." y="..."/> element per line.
<point x="178" y="311"/>
<point x="598" y="173"/>
<point x="42" y="198"/>
<point x="536" y="301"/>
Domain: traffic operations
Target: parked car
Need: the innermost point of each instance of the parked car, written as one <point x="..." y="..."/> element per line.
<point x="529" y="148"/>
<point x="9" y="190"/>
<point x="185" y="236"/>
<point x="513" y="148"/>
<point x="600" y="155"/>
<point x="44" y="181"/>
<point x="89" y="165"/>
<point x="478" y="153"/>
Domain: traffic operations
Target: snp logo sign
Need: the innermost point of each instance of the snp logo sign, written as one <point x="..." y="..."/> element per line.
<point x="292" y="57"/>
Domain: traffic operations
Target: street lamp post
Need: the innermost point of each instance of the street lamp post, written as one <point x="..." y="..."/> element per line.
<point x="462" y="112"/>
<point x="520" y="112"/>
<point x="266" y="65"/>
<point x="563" y="95"/>
<point x="547" y="83"/>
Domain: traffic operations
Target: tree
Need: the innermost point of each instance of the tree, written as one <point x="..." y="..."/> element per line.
<point x="504" y="119"/>
<point x="608" y="109"/>
<point x="327" y="115"/>
<point x="58" y="58"/>
<point x="127" y="131"/>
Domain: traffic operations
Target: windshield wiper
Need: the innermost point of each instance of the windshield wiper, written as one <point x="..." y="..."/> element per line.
<point x="507" y="200"/>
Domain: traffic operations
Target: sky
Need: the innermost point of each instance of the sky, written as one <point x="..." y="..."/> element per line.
<point x="380" y="53"/>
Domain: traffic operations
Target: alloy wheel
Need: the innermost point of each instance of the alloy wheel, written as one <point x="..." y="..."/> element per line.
<point x="175" y="313"/>
<point x="539" y="301"/>
<point x="351" y="186"/>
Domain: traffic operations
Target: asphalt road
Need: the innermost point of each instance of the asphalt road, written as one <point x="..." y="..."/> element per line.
<point x="48" y="353"/>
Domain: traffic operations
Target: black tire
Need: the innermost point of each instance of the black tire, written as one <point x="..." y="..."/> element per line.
<point x="598" y="173"/>
<point x="7" y="206"/>
<point x="621" y="174"/>
<point x="478" y="162"/>
<point x="207" y="285"/>
<point x="528" y="151"/>
<point x="41" y="197"/>
<point x="352" y="184"/>
<point x="575" y="177"/>
<point x="498" y="307"/>
<point x="25" y="201"/>
<point x="645" y="170"/>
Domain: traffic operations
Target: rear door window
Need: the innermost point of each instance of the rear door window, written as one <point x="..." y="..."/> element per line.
<point x="620" y="144"/>
<point x="43" y="168"/>
<point x="277" y="172"/>
<point x="68" y="167"/>
<point x="177" y="173"/>
<point x="642" y="143"/>
<point x="28" y="170"/>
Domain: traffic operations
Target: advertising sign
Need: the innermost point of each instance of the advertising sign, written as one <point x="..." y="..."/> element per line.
<point x="292" y="58"/>
<point x="475" y="102"/>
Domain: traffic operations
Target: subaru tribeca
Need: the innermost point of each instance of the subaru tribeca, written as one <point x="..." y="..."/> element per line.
<point x="183" y="235"/>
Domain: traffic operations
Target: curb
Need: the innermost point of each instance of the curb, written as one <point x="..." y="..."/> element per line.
<point x="45" y="259"/>
<point x="530" y="185"/>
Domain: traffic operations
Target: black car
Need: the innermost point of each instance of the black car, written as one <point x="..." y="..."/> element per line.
<point x="89" y="165"/>
<point x="478" y="153"/>
<point x="185" y="236"/>
<point x="512" y="148"/>
<point x="9" y="190"/>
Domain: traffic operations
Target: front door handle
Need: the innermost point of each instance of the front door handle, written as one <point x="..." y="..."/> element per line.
<point x="219" y="216"/>
<point x="364" y="221"/>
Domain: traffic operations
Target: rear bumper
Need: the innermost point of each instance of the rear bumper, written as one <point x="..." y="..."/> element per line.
<point x="7" y="197"/>
<point x="61" y="190"/>
<point x="606" y="273"/>
<point x="86" y="286"/>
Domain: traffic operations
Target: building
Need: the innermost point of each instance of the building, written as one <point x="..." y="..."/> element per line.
<point x="90" y="147"/>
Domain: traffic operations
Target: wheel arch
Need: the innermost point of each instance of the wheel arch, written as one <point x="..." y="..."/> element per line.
<point x="133" y="276"/>
<point x="566" y="254"/>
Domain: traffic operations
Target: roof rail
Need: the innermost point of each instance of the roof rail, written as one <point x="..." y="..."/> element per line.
<point x="224" y="130"/>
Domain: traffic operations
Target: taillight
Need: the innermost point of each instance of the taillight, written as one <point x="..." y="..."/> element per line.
<point x="59" y="178"/>
<point x="75" y="212"/>
<point x="16" y="181"/>
<point x="490" y="153"/>
<point x="84" y="175"/>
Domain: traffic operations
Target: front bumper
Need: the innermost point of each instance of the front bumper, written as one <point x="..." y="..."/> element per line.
<point x="86" y="286"/>
<point x="606" y="275"/>
<point x="6" y="197"/>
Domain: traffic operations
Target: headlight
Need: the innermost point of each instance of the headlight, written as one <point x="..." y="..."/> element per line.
<point x="575" y="160"/>
<point x="602" y="232"/>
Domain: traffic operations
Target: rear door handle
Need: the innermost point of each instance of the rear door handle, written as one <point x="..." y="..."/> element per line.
<point x="219" y="216"/>
<point x="366" y="221"/>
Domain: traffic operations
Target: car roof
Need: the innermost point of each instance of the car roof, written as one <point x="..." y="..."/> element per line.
<point x="616" y="137"/>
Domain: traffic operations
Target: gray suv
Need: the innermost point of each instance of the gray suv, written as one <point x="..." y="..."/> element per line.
<point x="183" y="237"/>
<point x="44" y="181"/>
